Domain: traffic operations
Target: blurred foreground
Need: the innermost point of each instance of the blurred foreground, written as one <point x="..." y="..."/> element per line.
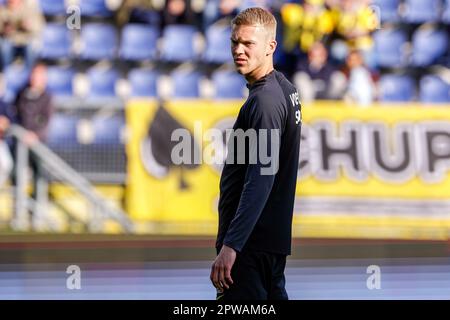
<point x="167" y="268"/>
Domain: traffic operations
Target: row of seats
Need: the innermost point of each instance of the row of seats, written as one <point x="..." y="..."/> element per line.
<point x="66" y="131"/>
<point x="88" y="8"/>
<point x="227" y="84"/>
<point x="143" y="82"/>
<point x="414" y="11"/>
<point x="402" y="88"/>
<point x="429" y="46"/>
<point x="138" y="42"/>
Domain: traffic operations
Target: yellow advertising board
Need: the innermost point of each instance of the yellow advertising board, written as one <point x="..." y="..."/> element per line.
<point x="375" y="172"/>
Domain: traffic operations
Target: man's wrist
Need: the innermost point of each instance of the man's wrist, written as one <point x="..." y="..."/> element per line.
<point x="230" y="246"/>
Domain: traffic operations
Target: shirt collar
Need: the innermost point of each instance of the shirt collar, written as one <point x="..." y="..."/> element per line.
<point x="261" y="80"/>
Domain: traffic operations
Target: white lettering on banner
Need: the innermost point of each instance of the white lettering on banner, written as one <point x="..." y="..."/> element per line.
<point x="358" y="150"/>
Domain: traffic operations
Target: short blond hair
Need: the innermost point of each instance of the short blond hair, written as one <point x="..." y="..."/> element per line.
<point x="256" y="16"/>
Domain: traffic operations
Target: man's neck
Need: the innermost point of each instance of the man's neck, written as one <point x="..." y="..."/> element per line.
<point x="258" y="74"/>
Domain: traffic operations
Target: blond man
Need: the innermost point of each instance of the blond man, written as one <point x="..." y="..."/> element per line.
<point x="257" y="197"/>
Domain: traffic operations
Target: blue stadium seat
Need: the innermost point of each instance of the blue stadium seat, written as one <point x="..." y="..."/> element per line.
<point x="60" y="80"/>
<point x="396" y="88"/>
<point x="178" y="43"/>
<point x="52" y="7"/>
<point x="99" y="41"/>
<point x="434" y="90"/>
<point x="421" y="11"/>
<point x="218" y="44"/>
<point x="428" y="46"/>
<point x="108" y="130"/>
<point x="62" y="132"/>
<point x="446" y="12"/>
<point x="143" y="82"/>
<point x="185" y="84"/>
<point x="138" y="42"/>
<point x="389" y="47"/>
<point x="228" y="85"/>
<point x="388" y="10"/>
<point x="16" y="77"/>
<point x="102" y="82"/>
<point x="94" y="8"/>
<point x="56" y="41"/>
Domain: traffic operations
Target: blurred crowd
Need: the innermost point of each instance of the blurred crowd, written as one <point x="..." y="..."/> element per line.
<point x="328" y="48"/>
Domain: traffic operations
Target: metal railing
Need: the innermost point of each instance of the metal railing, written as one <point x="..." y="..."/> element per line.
<point x="101" y="209"/>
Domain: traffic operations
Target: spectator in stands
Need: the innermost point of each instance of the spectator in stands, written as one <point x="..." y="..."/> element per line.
<point x="317" y="77"/>
<point x="305" y="24"/>
<point x="179" y="12"/>
<point x="354" y="22"/>
<point x="6" y="163"/>
<point x="360" y="89"/>
<point x="20" y="23"/>
<point x="138" y="11"/>
<point x="32" y="110"/>
<point x="33" y="106"/>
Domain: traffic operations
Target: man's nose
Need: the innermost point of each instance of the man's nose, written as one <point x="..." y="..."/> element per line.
<point x="237" y="49"/>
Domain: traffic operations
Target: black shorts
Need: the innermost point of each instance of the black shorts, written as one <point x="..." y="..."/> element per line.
<point x="257" y="276"/>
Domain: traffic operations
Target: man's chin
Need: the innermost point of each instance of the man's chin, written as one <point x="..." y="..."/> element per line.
<point x="240" y="70"/>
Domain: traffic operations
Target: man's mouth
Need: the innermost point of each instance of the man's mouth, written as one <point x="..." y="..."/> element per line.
<point x="239" y="61"/>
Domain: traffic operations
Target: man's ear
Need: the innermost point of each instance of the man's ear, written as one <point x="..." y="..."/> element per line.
<point x="271" y="47"/>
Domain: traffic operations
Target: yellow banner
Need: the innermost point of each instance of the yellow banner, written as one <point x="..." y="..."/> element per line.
<point x="379" y="172"/>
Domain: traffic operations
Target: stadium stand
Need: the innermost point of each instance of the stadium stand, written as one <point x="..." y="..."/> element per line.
<point x="446" y="13"/>
<point x="228" y="85"/>
<point x="396" y="88"/>
<point x="178" y="43"/>
<point x="434" y="90"/>
<point x="138" y="42"/>
<point x="217" y="39"/>
<point x="102" y="81"/>
<point x="388" y="10"/>
<point x="16" y="77"/>
<point x="148" y="46"/>
<point x="95" y="8"/>
<point x="185" y="84"/>
<point x="429" y="44"/>
<point x="421" y="11"/>
<point x="99" y="41"/>
<point x="390" y="48"/>
<point x="62" y="132"/>
<point x="53" y="7"/>
<point x="143" y="82"/>
<point x="60" y="81"/>
<point x="56" y="41"/>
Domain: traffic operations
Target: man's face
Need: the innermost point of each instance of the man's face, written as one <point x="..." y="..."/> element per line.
<point x="38" y="78"/>
<point x="249" y="45"/>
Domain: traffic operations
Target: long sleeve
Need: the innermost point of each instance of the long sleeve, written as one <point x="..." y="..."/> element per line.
<point x="266" y="117"/>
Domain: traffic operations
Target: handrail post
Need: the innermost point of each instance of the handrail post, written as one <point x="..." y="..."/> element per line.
<point x="40" y="209"/>
<point x="21" y="219"/>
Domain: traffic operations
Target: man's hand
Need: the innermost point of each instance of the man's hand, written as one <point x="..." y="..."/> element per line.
<point x="221" y="268"/>
<point x="4" y="124"/>
<point x="30" y="138"/>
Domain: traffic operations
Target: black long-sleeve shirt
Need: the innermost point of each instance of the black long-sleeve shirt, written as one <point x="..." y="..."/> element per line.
<point x="256" y="208"/>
